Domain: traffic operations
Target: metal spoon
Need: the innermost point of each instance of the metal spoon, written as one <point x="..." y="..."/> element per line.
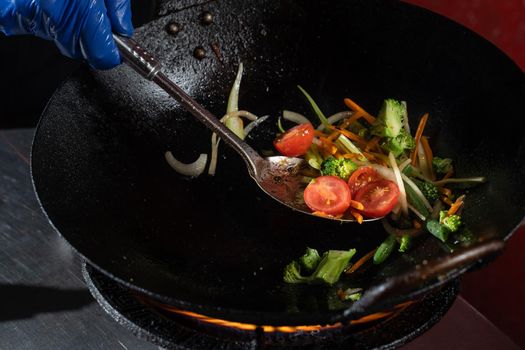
<point x="280" y="177"/>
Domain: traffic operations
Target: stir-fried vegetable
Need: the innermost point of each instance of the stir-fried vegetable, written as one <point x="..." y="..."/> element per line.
<point x="360" y="166"/>
<point x="370" y="167"/>
<point x="341" y="167"/>
<point x="327" y="270"/>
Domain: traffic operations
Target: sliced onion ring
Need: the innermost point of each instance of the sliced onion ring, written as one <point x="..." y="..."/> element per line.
<point x="189" y="169"/>
<point x="295" y="117"/>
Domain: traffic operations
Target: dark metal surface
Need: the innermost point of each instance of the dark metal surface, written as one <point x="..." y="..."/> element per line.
<point x="44" y="303"/>
<point x="172" y="333"/>
<point x="216" y="245"/>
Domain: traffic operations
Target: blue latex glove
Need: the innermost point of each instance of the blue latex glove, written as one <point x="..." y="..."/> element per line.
<point x="80" y="28"/>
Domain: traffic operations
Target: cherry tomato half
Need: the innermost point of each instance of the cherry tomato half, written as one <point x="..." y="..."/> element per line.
<point x="378" y="197"/>
<point x="361" y="177"/>
<point x="295" y="141"/>
<point x="328" y="194"/>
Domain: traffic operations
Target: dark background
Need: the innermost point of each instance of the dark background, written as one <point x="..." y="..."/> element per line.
<point x="31" y="69"/>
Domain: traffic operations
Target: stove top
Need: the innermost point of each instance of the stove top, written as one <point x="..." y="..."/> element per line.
<point x="176" y="329"/>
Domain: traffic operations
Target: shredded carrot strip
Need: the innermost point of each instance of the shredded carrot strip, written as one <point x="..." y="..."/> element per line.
<point x="351" y="155"/>
<point x="355" y="107"/>
<point x="328" y="145"/>
<point x="455" y="206"/>
<point x="349" y="134"/>
<point x="357" y="216"/>
<point x="446" y="200"/>
<point x="446" y="191"/>
<point x="356" y="205"/>
<point x="428" y="155"/>
<point x="372" y="144"/>
<point x="448" y="174"/>
<point x="360" y="262"/>
<point x="324" y="215"/>
<point x="419" y="133"/>
<point x="349" y="121"/>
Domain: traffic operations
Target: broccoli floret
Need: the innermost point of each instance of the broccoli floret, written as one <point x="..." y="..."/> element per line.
<point x="451" y="222"/>
<point x="342" y="168"/>
<point x="429" y="190"/>
<point x="328" y="270"/>
<point x="292" y="273"/>
<point x="389" y="120"/>
<point x="310" y="259"/>
<point x="332" y="265"/>
<point x="397" y="145"/>
<point x="442" y="165"/>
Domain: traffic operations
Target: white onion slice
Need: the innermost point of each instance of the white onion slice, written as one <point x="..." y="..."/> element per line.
<point x="241" y="113"/>
<point x="404" y="164"/>
<point x="253" y="124"/>
<point x="233" y="99"/>
<point x="295" y="117"/>
<point x="384" y="172"/>
<point x="402" y="193"/>
<point x="418" y="192"/>
<point x="214" y="153"/>
<point x="336" y="117"/>
<point x="415" y="211"/>
<point x="422" y="158"/>
<point x="189" y="169"/>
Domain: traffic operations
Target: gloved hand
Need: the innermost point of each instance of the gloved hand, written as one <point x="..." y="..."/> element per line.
<point x="80" y="28"/>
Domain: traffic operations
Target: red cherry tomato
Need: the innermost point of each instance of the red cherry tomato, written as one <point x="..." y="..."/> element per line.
<point x="328" y="194"/>
<point x="378" y="197"/>
<point x="295" y="141"/>
<point x="361" y="177"/>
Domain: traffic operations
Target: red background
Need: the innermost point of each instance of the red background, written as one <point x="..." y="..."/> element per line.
<point x="498" y="290"/>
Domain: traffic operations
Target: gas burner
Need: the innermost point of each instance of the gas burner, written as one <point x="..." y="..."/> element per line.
<point x="177" y="329"/>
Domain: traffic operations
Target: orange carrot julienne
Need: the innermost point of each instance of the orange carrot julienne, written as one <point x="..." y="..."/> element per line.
<point x="349" y="134"/>
<point x="419" y="133"/>
<point x="446" y="191"/>
<point x="360" y="262"/>
<point x="353" y="118"/>
<point x="357" y="216"/>
<point x="456" y="205"/>
<point x="446" y="200"/>
<point x="356" y="205"/>
<point x="372" y="143"/>
<point x="448" y="174"/>
<point x="355" y="107"/>
<point x="324" y="215"/>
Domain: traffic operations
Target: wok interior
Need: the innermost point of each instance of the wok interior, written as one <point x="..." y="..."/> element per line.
<point x="218" y="245"/>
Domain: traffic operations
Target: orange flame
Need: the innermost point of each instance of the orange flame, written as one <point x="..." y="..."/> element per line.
<point x="283" y="329"/>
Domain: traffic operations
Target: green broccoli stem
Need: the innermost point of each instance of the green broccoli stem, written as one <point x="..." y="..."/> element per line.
<point x="310" y="260"/>
<point x="385" y="249"/>
<point x="333" y="263"/>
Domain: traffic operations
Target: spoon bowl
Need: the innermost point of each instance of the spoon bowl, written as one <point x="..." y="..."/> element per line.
<point x="280" y="177"/>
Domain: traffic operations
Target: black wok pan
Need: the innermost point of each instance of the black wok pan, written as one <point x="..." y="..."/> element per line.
<point x="217" y="245"/>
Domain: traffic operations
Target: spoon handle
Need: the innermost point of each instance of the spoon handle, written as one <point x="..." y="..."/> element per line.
<point x="147" y="66"/>
<point x="440" y="268"/>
